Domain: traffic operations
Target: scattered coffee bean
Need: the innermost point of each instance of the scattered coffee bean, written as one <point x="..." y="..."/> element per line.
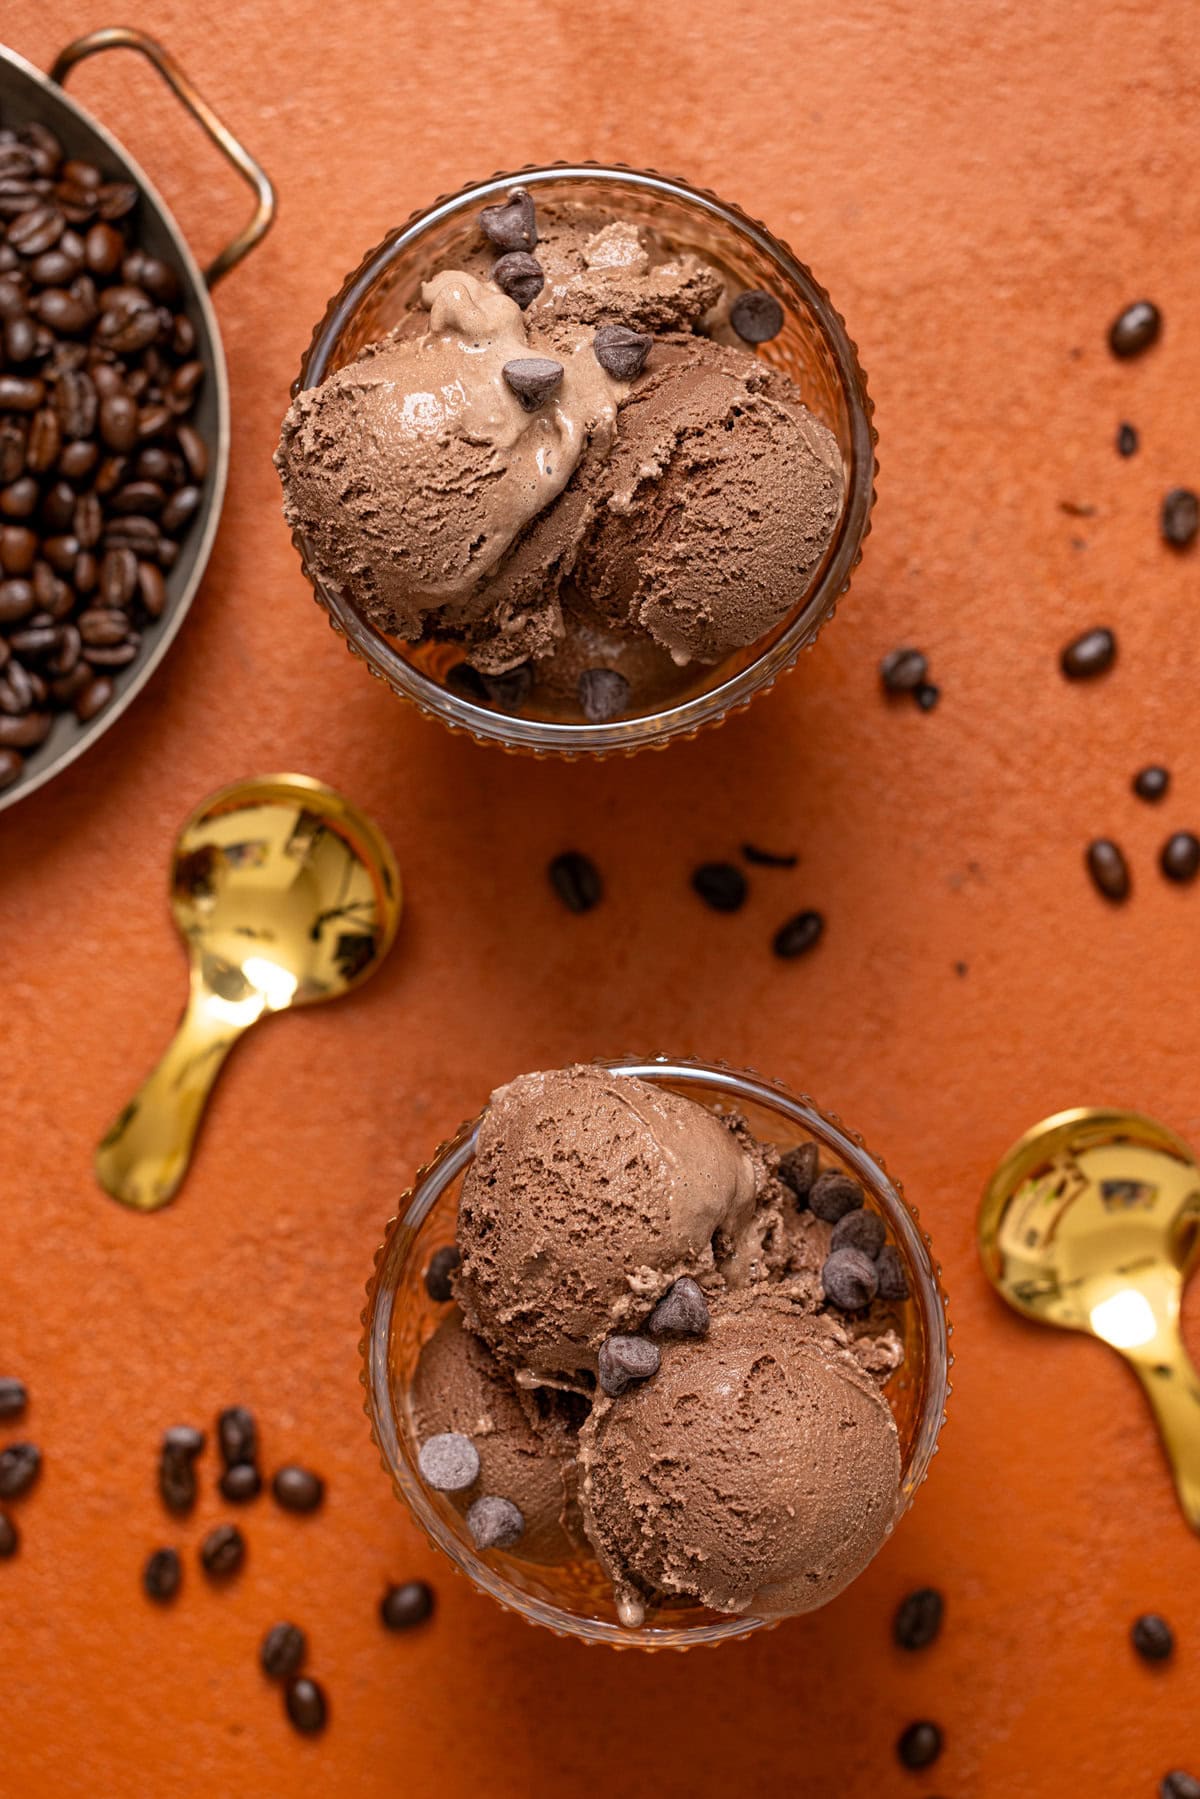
<point x="720" y="885"/>
<point x="798" y="935"/>
<point x="1127" y="440"/>
<point x="240" y="1483"/>
<point x="449" y="1462"/>
<point x="495" y="1523"/>
<point x="927" y="696"/>
<point x="1178" y="1785"/>
<point x="520" y="276"/>
<point x="282" y="1651"/>
<point x="10" y="1540"/>
<point x="298" y="1489"/>
<point x="162" y="1575"/>
<point x="1180" y="517"/>
<point x="603" y="694"/>
<point x="768" y="858"/>
<point x="757" y="317"/>
<point x="1135" y="329"/>
<point x="442" y="1264"/>
<point x="850" y="1280"/>
<point x="682" y="1311"/>
<point x="533" y="379"/>
<point x="176" y="1467"/>
<point x="920" y="1745"/>
<point x="511" y="689"/>
<point x="918" y="1619"/>
<point x="512" y="225"/>
<point x="1151" y="783"/>
<point x="1089" y="655"/>
<point x="237" y="1435"/>
<point x="833" y="1194"/>
<point x="891" y="1273"/>
<point x="20" y="1465"/>
<point x="903" y="671"/>
<point x="1108" y="869"/>
<point x="13" y="1397"/>
<point x="860" y="1230"/>
<point x="621" y="352"/>
<point x="407" y="1605"/>
<point x="576" y="880"/>
<point x="1180" y="858"/>
<point x="798" y="1170"/>
<point x="1152" y="1637"/>
<point x="305" y="1704"/>
<point x="223" y="1551"/>
<point x="624" y="1360"/>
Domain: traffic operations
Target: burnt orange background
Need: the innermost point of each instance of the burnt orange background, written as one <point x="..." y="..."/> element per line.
<point x="981" y="187"/>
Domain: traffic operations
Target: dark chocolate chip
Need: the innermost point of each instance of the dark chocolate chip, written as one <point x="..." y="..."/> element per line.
<point x="1151" y="783"/>
<point x="1180" y="857"/>
<point x="282" y="1651"/>
<point x="798" y="1170"/>
<point x="1108" y="869"/>
<point x="768" y="858"/>
<point x="407" y="1605"/>
<point x="860" y="1230"/>
<point x="624" y="1360"/>
<point x="223" y="1551"/>
<point x="834" y="1193"/>
<point x="10" y="1539"/>
<point x="1180" y="517"/>
<point x="449" y="1462"/>
<point x="298" y="1489"/>
<point x="849" y="1279"/>
<point x="621" y="352"/>
<point x="1178" y="1785"/>
<point x="1152" y="1637"/>
<point x="918" y="1619"/>
<point x="304" y="1702"/>
<point x="495" y="1523"/>
<point x="891" y="1273"/>
<point x="241" y="1483"/>
<point x="1127" y="440"/>
<point x="756" y="316"/>
<point x="513" y="224"/>
<point x="511" y="689"/>
<point x="1089" y="655"/>
<point x="902" y="671"/>
<point x="603" y="694"/>
<point x="520" y="276"/>
<point x="533" y="379"/>
<point x="20" y="1465"/>
<point x="682" y="1311"/>
<point x="927" y="696"/>
<point x="576" y="880"/>
<point x="442" y="1264"/>
<point x="237" y="1435"/>
<point x="162" y="1575"/>
<point x="798" y="935"/>
<point x="13" y="1397"/>
<point x="1135" y="329"/>
<point x="720" y="885"/>
<point x="920" y="1745"/>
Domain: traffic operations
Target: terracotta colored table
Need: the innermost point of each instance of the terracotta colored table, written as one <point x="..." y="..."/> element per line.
<point x="982" y="188"/>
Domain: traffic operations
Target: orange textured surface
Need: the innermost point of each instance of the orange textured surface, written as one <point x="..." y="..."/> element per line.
<point x="981" y="187"/>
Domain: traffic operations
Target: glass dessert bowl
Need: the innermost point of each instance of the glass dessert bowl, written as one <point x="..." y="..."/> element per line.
<point x="669" y="698"/>
<point x="561" y="1584"/>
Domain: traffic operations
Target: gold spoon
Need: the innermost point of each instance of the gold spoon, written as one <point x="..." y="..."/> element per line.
<point x="284" y="894"/>
<point x="1092" y="1222"/>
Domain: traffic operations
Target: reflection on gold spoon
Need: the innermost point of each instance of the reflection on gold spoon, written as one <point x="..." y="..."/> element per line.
<point x="284" y="894"/>
<point x="1092" y="1222"/>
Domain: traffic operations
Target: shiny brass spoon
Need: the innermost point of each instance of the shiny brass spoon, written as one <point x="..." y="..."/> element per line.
<point x="1092" y="1222"/>
<point x="284" y="894"/>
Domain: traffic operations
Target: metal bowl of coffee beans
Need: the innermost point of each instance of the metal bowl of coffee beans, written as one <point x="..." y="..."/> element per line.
<point x="114" y="412"/>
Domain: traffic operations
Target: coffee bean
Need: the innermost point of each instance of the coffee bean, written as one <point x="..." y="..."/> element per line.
<point x="1127" y="440"/>
<point x="1108" y="868"/>
<point x="20" y="338"/>
<point x="223" y="1551"/>
<point x="449" y="1462"/>
<point x="283" y="1651"/>
<point x="237" y="1435"/>
<point x="768" y="858"/>
<point x="1152" y="1637"/>
<point x="624" y="1360"/>
<point x="833" y="1194"/>
<point x="621" y="352"/>
<point x="162" y="1575"/>
<point x="1180" y="517"/>
<point x="756" y="316"/>
<point x="298" y="1489"/>
<point x="1178" y="1785"/>
<point x="920" y="1745"/>
<point x="93" y="698"/>
<point x="36" y="230"/>
<point x="512" y="225"/>
<point x="18" y="549"/>
<point x="407" y="1605"/>
<point x="720" y="885"/>
<point x="152" y="589"/>
<point x="1180" y="857"/>
<point x="1135" y="329"/>
<point x="1151" y="783"/>
<point x="576" y="880"/>
<point x="20" y="1465"/>
<point x="10" y="1540"/>
<point x="891" y="1273"/>
<point x="103" y="625"/>
<point x="177" y="1482"/>
<point x="495" y="1523"/>
<point x="520" y="276"/>
<point x="533" y="379"/>
<point x="860" y="1230"/>
<point x="927" y="696"/>
<point x="798" y="935"/>
<point x="442" y="1264"/>
<point x="26" y="732"/>
<point x="19" y="498"/>
<point x="918" y="1620"/>
<point x="181" y="507"/>
<point x="903" y="671"/>
<point x="603" y="694"/>
<point x="1089" y="655"/>
<point x="77" y="403"/>
<point x="14" y="1397"/>
<point x="240" y="1483"/>
<point x="511" y="689"/>
<point x="798" y="1170"/>
<point x="119" y="421"/>
<point x="45" y="442"/>
<point x="305" y="1704"/>
<point x="195" y="451"/>
<point x="682" y="1311"/>
<point x="17" y="600"/>
<point x="850" y="1279"/>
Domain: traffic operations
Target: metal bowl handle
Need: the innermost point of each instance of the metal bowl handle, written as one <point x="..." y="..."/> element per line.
<point x="123" y="37"/>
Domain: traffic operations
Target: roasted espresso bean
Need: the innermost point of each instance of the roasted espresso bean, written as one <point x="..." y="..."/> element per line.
<point x="1135" y="329"/>
<point x="44" y="443"/>
<point x="1180" y="517"/>
<point x="14" y="1397"/>
<point x="720" y="885"/>
<point x="128" y="328"/>
<point x="85" y="574"/>
<point x="407" y="1605"/>
<point x="305" y="1704"/>
<point x="10" y="1540"/>
<point x="1152" y="1637"/>
<point x="576" y="880"/>
<point x="26" y="732"/>
<point x="162" y="1575"/>
<point x="21" y="393"/>
<point x="179" y="509"/>
<point x="298" y="1489"/>
<point x="918" y="1620"/>
<point x="138" y="496"/>
<point x="799" y="935"/>
<point x="183" y="335"/>
<point x="57" y="511"/>
<point x="240" y="1483"/>
<point x="152" y="589"/>
<point x="77" y="460"/>
<point x="61" y="551"/>
<point x="77" y="403"/>
<point x="18" y="549"/>
<point x="1151" y="783"/>
<point x="136" y="532"/>
<point x="119" y="421"/>
<point x="63" y="311"/>
<point x="237" y="1435"/>
<point x="66" y="651"/>
<point x="1108" y="869"/>
<point x="36" y="230"/>
<point x="103" y="249"/>
<point x="11" y="765"/>
<point x="1089" y="655"/>
<point x="1178" y="1785"/>
<point x="282" y="1652"/>
<point x="19" y="498"/>
<point x="903" y="670"/>
<point x="34" y="641"/>
<point x="93" y="698"/>
<point x="20" y="1465"/>
<point x="223" y="1551"/>
<point x="1180" y="857"/>
<point x="87" y="521"/>
<point x="920" y="1745"/>
<point x="195" y="451"/>
<point x="115" y="199"/>
<point x="186" y="380"/>
<point x="117" y="655"/>
<point x="20" y="338"/>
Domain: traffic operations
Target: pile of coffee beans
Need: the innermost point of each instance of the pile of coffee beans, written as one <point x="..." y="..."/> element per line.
<point x="20" y="1463"/>
<point x="100" y="470"/>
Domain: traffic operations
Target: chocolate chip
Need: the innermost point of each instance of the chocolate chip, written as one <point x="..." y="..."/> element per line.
<point x="237" y="1435"/>
<point x="520" y="276"/>
<point x="512" y="225"/>
<point x="442" y="1264"/>
<point x="920" y="1745"/>
<point x="918" y="1619"/>
<point x="682" y="1311"/>
<point x="1127" y="440"/>
<point x="533" y="379"/>
<point x="798" y="1170"/>
<point x="13" y="1397"/>
<point x="849" y="1279"/>
<point x="624" y="1360"/>
<point x="720" y="885"/>
<point x="1180" y="517"/>
<point x="603" y="694"/>
<point x="1180" y="857"/>
<point x="449" y="1462"/>
<point x="305" y="1704"/>
<point x="834" y="1193"/>
<point x="1152" y="1637"/>
<point x="798" y="935"/>
<point x="298" y="1489"/>
<point x="495" y="1523"/>
<point x="10" y="1540"/>
<point x="1108" y="869"/>
<point x="20" y="1465"/>
<point x="405" y="1606"/>
<point x="902" y="671"/>
<point x="511" y="689"/>
<point x="768" y="858"/>
<point x="1178" y="1785"/>
<point x="621" y="352"/>
<point x="927" y="696"/>
<point x="1135" y="329"/>
<point x="576" y="880"/>
<point x="162" y="1575"/>
<point x="1089" y="655"/>
<point x="891" y="1273"/>
<point x="1151" y="783"/>
<point x="223" y="1551"/>
<point x="860" y="1230"/>
<point x="282" y="1651"/>
<point x="240" y="1483"/>
<point x="757" y="317"/>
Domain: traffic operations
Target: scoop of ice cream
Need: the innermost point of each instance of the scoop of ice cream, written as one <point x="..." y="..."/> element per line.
<point x="756" y="1472"/>
<point x="526" y="1454"/>
<point x="589" y="1195"/>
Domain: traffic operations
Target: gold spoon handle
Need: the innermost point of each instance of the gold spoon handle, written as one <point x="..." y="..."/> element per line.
<point x="1173" y="1389"/>
<point x="146" y="1151"/>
